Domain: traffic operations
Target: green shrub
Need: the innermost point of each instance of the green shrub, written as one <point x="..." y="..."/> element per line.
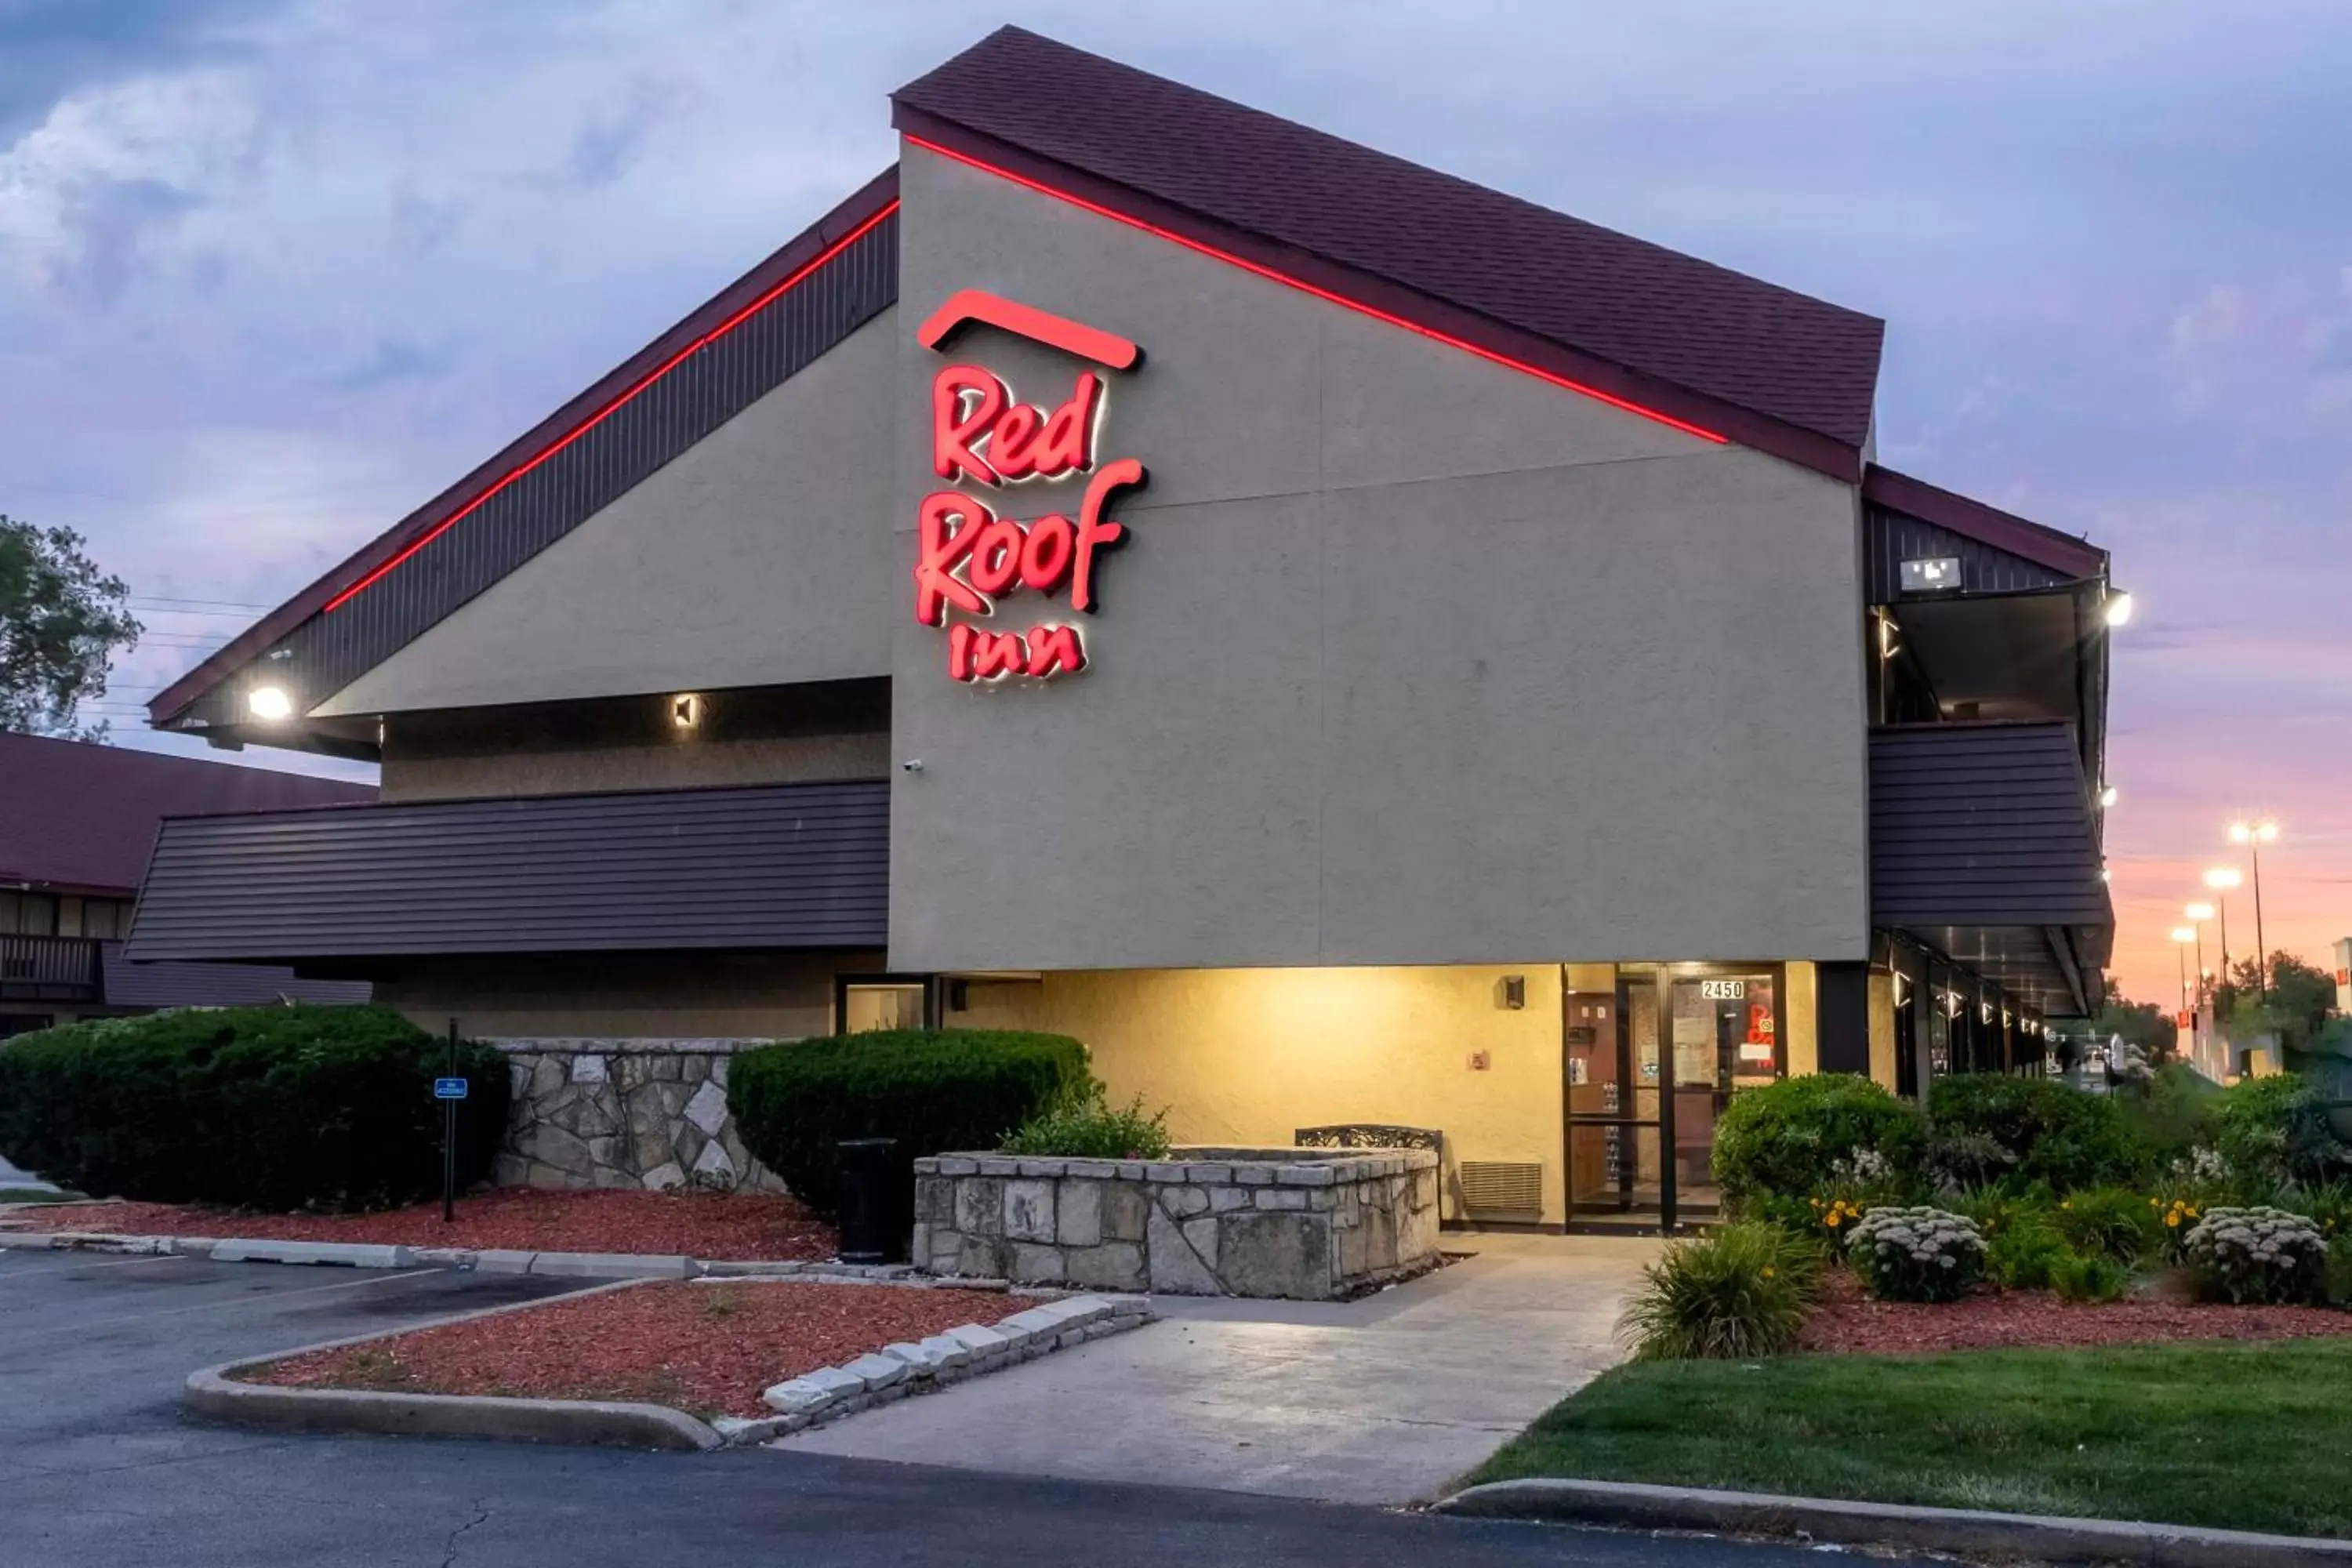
<point x="1787" y="1137"/>
<point x="2045" y="1131"/>
<point x="2259" y="1255"/>
<point x="2117" y="1223"/>
<point x="2089" y="1277"/>
<point x="265" y="1108"/>
<point x="1082" y="1126"/>
<point x="1741" y="1289"/>
<point x="2339" y="1272"/>
<point x="2327" y="1204"/>
<point x="1919" y="1254"/>
<point x="2173" y="1115"/>
<point x="930" y="1089"/>
<point x="2276" y="1130"/>
<point x="2022" y="1241"/>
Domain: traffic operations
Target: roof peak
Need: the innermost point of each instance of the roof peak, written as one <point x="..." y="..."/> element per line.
<point x="1627" y="302"/>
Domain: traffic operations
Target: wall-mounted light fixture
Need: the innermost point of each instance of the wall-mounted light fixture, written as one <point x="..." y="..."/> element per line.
<point x="1930" y="574"/>
<point x="686" y="711"/>
<point x="1890" y="637"/>
<point x="269" y="702"/>
<point x="2117" y="610"/>
<point x="1514" y="991"/>
<point x="2108" y="796"/>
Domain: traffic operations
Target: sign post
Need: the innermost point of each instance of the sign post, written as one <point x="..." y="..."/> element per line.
<point x="449" y="1091"/>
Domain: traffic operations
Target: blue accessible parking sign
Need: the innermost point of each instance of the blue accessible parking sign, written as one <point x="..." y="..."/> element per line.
<point x="448" y="1088"/>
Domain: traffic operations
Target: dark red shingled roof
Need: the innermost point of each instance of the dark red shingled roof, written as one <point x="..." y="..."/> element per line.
<point x="1653" y="310"/>
<point x="80" y="817"/>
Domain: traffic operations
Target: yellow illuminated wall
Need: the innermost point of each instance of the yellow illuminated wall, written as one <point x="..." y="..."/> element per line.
<point x="1248" y="1055"/>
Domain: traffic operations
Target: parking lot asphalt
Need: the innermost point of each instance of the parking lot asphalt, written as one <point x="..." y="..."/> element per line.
<point x="98" y="1465"/>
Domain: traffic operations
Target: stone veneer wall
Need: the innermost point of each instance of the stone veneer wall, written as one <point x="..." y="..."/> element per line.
<point x="1304" y="1224"/>
<point x="646" y="1113"/>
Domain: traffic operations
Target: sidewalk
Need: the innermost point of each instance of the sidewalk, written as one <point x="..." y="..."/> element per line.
<point x="1382" y="1401"/>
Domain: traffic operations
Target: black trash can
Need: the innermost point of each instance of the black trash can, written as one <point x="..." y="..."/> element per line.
<point x="872" y="1230"/>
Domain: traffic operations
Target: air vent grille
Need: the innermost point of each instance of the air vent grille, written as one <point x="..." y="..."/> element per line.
<point x="1502" y="1186"/>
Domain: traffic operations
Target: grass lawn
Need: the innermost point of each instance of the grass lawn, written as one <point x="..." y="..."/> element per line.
<point x="37" y="1195"/>
<point x="2236" y="1435"/>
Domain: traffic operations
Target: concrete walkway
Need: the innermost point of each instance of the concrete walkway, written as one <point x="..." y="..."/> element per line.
<point x="1379" y="1401"/>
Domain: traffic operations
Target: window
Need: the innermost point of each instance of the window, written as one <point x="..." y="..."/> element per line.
<point x="864" y="1003"/>
<point x="29" y="914"/>
<point x="106" y="919"/>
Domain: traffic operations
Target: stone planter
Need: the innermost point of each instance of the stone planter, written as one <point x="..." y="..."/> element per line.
<point x="1311" y="1224"/>
<point x="649" y="1113"/>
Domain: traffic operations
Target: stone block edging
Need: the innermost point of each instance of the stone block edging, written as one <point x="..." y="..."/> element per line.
<point x="487" y="1260"/>
<point x="969" y="1350"/>
<point x="1966" y="1532"/>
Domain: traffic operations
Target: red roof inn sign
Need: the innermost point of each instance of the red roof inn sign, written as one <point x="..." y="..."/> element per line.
<point x="966" y="556"/>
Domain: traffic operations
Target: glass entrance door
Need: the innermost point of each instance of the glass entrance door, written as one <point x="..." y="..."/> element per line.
<point x="1617" y="1102"/>
<point x="1649" y="1070"/>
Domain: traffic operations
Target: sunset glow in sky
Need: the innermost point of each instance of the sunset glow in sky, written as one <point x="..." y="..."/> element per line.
<point x="273" y="271"/>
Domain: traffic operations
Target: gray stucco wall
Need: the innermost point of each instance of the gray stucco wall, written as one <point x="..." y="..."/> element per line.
<point x="757" y="557"/>
<point x="775" y="759"/>
<point x="1410" y="659"/>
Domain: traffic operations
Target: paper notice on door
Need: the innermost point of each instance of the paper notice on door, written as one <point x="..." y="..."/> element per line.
<point x="1695" y="1049"/>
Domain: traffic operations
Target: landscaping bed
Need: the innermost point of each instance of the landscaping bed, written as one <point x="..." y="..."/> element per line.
<point x="1846" y="1321"/>
<point x="2243" y="1436"/>
<point x="710" y="1225"/>
<point x="706" y="1348"/>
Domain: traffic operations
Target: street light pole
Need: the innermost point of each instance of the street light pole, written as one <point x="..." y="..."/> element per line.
<point x="2221" y="879"/>
<point x="2253" y="836"/>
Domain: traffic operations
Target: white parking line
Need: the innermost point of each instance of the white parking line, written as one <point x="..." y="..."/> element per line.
<point x="67" y="1264"/>
<point x="245" y="1300"/>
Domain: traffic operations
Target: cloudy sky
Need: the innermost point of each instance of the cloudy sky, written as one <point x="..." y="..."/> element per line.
<point x="273" y="271"/>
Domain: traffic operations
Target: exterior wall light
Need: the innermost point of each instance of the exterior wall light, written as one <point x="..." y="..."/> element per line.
<point x="686" y="711"/>
<point x="269" y="702"/>
<point x="1930" y="574"/>
<point x="2118" y="609"/>
<point x="2108" y="796"/>
<point x="1514" y="991"/>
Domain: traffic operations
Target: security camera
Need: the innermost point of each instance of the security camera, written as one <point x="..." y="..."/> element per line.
<point x="913" y="765"/>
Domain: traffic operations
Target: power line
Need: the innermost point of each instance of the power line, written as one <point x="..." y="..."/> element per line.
<point x="168" y="599"/>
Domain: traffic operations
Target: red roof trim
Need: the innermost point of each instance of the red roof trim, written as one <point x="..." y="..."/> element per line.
<point x="2034" y="542"/>
<point x="1706" y="416"/>
<point x="1285" y="279"/>
<point x="792" y="262"/>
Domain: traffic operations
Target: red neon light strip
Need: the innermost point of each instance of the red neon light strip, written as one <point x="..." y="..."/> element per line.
<point x="1039" y="326"/>
<point x="651" y="376"/>
<point x="1305" y="288"/>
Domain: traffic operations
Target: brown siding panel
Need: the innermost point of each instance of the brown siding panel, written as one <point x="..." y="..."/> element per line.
<point x="775" y="866"/>
<point x="1982" y="824"/>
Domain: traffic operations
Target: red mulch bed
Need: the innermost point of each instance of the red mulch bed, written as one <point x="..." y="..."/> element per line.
<point x="706" y="1348"/>
<point x="1846" y="1321"/>
<point x="700" y="1224"/>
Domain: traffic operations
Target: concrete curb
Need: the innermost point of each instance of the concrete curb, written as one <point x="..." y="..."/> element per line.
<point x="599" y="1422"/>
<point x="488" y="1260"/>
<point x="213" y="1391"/>
<point x="1967" y="1533"/>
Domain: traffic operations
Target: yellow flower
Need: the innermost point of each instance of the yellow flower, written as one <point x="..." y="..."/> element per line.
<point x="2155" y="1203"/>
<point x="2173" y="1220"/>
<point x="1767" y="1271"/>
<point x="2067" y="1205"/>
<point x="1835" y="1218"/>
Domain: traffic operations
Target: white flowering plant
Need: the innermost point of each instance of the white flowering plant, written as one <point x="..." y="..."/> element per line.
<point x="1919" y="1253"/>
<point x="2259" y="1255"/>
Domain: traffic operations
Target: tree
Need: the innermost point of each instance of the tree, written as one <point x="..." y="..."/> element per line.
<point x="2143" y="1023"/>
<point x="2295" y="1008"/>
<point x="61" y="620"/>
